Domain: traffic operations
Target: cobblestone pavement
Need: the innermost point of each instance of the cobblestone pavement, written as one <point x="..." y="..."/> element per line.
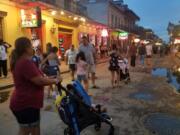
<point x="128" y="105"/>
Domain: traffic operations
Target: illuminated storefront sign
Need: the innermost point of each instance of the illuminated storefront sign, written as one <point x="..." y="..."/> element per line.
<point x="137" y="40"/>
<point x="158" y="44"/>
<point x="123" y="35"/>
<point x="177" y="41"/>
<point x="104" y="33"/>
<point x="31" y="18"/>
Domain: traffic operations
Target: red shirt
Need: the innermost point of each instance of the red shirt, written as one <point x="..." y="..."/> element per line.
<point x="26" y="93"/>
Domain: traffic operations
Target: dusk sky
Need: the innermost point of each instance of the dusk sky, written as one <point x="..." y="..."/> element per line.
<point x="156" y="14"/>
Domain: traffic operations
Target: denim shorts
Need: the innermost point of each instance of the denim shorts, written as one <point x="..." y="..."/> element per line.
<point x="81" y="78"/>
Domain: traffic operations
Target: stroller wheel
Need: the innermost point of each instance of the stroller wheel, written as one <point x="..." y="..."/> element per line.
<point x="68" y="131"/>
<point x="97" y="127"/>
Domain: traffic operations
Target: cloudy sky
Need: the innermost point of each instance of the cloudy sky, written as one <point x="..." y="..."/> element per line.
<point x="156" y="14"/>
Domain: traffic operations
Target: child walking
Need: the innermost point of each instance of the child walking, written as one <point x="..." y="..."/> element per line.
<point x="82" y="72"/>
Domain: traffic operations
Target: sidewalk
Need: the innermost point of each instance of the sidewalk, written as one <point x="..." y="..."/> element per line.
<point x="6" y="83"/>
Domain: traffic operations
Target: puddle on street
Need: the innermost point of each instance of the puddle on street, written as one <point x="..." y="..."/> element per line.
<point x="173" y="78"/>
<point x="163" y="124"/>
<point x="142" y="96"/>
<point x="4" y="96"/>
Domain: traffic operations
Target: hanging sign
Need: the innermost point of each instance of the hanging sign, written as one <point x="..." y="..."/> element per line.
<point x="123" y="35"/>
<point x="31" y="18"/>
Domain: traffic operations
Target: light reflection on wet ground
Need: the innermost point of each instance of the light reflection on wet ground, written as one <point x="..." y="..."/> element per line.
<point x="164" y="72"/>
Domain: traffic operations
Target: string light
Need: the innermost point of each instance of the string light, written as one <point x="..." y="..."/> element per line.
<point x="62" y="13"/>
<point x="53" y="12"/>
<point x="75" y="18"/>
<point x="82" y="19"/>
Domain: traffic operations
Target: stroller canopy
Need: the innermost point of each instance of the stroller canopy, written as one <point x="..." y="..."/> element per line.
<point x="81" y="91"/>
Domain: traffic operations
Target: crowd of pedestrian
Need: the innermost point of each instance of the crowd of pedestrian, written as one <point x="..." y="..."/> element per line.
<point x="32" y="70"/>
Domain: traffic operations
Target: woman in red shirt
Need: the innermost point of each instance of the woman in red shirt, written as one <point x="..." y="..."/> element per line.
<point x="27" y="98"/>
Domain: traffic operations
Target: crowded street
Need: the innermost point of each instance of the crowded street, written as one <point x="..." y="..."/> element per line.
<point x="130" y="105"/>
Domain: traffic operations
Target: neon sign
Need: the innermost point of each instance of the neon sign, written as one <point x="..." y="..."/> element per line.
<point x="123" y="35"/>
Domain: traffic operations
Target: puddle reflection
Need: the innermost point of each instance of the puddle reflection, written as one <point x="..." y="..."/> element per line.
<point x="173" y="78"/>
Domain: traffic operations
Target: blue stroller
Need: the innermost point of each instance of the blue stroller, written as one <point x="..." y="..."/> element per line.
<point x="76" y="111"/>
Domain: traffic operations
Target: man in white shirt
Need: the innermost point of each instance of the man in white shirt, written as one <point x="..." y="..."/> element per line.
<point x="149" y="52"/>
<point x="71" y="60"/>
<point x="3" y="58"/>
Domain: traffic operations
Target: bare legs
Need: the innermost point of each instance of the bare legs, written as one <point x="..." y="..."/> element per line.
<point x="86" y="85"/>
<point x="29" y="131"/>
<point x="72" y="75"/>
<point x="114" y="77"/>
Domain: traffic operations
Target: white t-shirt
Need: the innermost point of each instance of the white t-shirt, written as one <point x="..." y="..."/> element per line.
<point x="149" y="50"/>
<point x="71" y="56"/>
<point x="3" y="54"/>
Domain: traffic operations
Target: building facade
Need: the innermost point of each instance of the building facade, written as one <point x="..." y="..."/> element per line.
<point x="44" y="21"/>
<point x="116" y="15"/>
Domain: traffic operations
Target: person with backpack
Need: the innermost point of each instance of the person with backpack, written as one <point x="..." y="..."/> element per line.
<point x="142" y="54"/>
<point x="3" y="58"/>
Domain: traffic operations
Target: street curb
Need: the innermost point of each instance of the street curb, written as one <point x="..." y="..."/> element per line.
<point x="64" y="72"/>
<point x="6" y="87"/>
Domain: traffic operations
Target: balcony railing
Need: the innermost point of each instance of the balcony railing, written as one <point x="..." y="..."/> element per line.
<point x="68" y="5"/>
<point x="133" y="29"/>
<point x="52" y="2"/>
<point x="74" y="7"/>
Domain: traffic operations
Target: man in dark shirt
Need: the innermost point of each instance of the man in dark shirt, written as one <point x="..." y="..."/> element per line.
<point x="132" y="53"/>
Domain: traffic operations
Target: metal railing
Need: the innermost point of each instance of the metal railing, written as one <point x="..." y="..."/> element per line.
<point x="69" y="5"/>
<point x="52" y="2"/>
<point x="74" y="7"/>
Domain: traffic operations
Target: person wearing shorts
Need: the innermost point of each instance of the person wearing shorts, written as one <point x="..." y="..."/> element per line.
<point x="89" y="52"/>
<point x="27" y="98"/>
<point x="71" y="60"/>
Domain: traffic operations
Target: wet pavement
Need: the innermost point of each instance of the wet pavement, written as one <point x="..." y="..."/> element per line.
<point x="172" y="78"/>
<point x="130" y="105"/>
<point x="163" y="124"/>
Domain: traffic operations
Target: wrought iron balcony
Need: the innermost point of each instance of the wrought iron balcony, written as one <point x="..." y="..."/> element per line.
<point x="74" y="7"/>
<point x="69" y="5"/>
<point x="52" y="2"/>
